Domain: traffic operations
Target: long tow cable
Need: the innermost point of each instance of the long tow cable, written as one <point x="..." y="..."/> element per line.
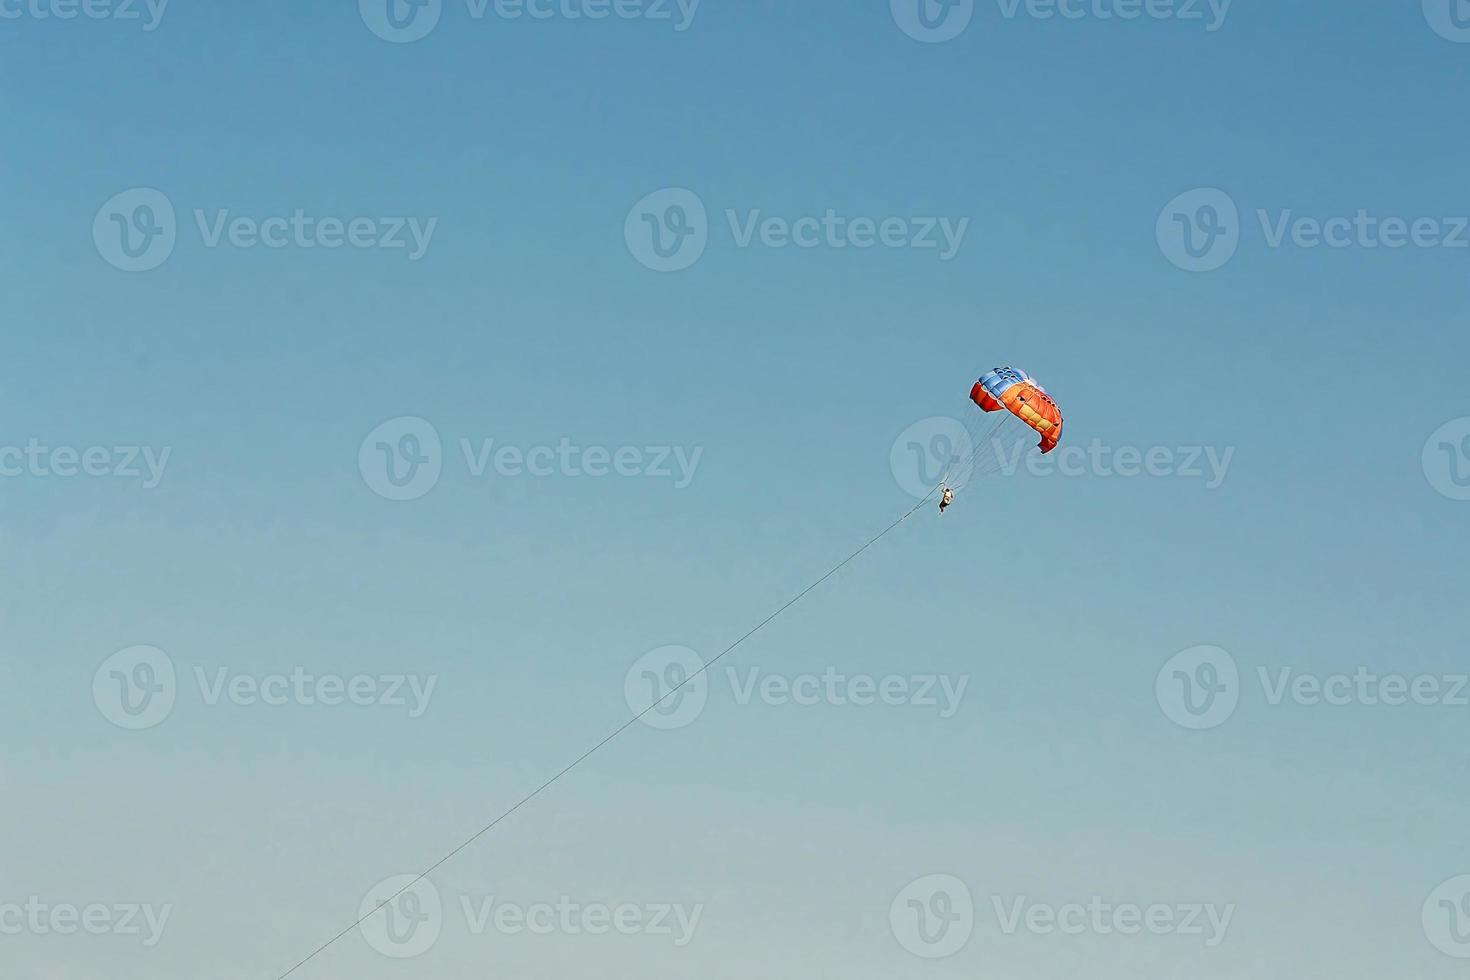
<point x="612" y="735"/>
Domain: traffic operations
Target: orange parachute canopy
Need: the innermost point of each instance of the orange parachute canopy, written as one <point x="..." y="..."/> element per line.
<point x="1012" y="390"/>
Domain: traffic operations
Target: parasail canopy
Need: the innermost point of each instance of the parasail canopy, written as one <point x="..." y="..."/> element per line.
<point x="1012" y="390"/>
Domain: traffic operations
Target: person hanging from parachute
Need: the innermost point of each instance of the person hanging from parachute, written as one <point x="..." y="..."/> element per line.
<point x="1013" y="392"/>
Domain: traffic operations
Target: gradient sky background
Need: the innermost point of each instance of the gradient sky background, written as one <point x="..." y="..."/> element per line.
<point x="528" y="321"/>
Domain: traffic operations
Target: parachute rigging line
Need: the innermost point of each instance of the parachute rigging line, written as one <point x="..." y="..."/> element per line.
<point x="614" y="734"/>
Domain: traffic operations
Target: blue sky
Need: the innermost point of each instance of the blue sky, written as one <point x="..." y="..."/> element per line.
<point x="525" y="318"/>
